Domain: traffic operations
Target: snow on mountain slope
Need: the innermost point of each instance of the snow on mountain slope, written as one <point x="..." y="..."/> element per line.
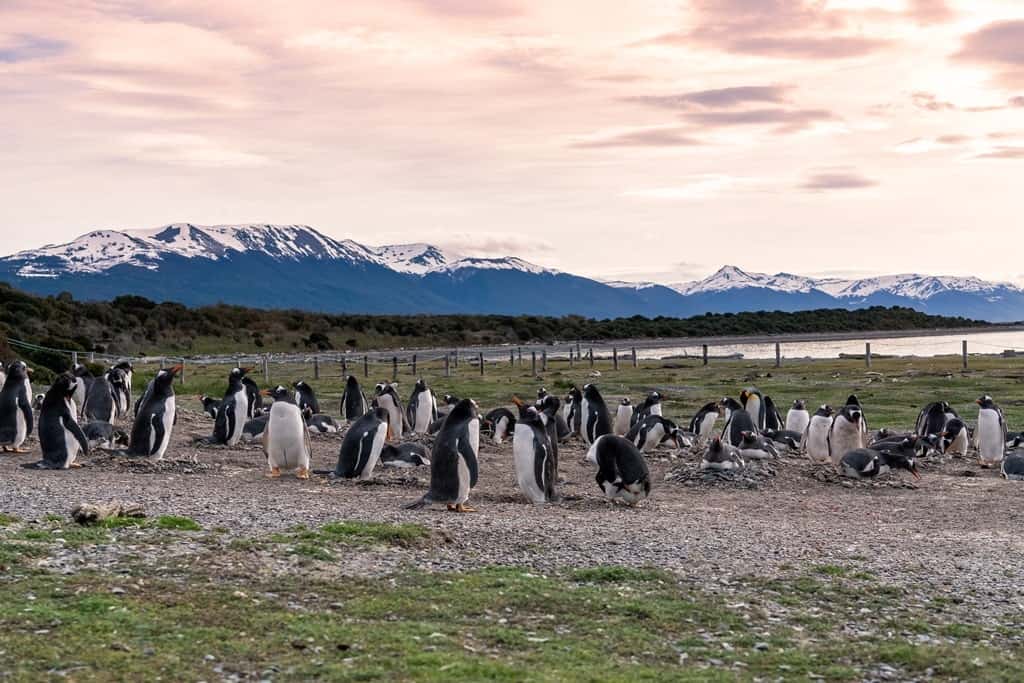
<point x="731" y="277"/>
<point x="416" y="259"/>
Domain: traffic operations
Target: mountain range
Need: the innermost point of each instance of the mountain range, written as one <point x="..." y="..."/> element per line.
<point x="294" y="266"/>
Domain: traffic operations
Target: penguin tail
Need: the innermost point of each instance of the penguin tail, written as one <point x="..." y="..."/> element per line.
<point x="41" y="465"/>
<point x="323" y="473"/>
<point x="419" y="504"/>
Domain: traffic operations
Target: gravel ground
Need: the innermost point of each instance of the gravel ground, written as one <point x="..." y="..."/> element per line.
<point x="956" y="532"/>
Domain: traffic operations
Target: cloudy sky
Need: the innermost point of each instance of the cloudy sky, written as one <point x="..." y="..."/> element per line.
<point x="650" y="139"/>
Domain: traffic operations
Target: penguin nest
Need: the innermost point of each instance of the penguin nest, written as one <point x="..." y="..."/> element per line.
<point x="145" y="465"/>
<point x="753" y="476"/>
<point x="827" y="475"/>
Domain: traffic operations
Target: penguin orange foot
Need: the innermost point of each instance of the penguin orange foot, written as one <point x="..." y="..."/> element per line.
<point x="274" y="473"/>
<point x="464" y="508"/>
<point x="303" y="473"/>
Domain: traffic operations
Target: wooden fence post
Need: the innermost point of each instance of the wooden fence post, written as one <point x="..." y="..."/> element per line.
<point x="414" y="365"/>
<point x="394" y="368"/>
<point x="704" y="353"/>
<point x="778" y="355"/>
<point x="579" y="355"/>
<point x="455" y="355"/>
<point x="74" y="358"/>
<point x="181" y="377"/>
<point x="366" y="366"/>
<point x="544" y="360"/>
<point x="266" y="368"/>
<point x="965" y="353"/>
<point x="867" y="354"/>
<point x="591" y="353"/>
<point x="481" y="357"/>
<point x="316" y="367"/>
<point x="634" y="357"/>
<point x="615" y="358"/>
<point x="511" y="359"/>
<point x="447" y="365"/>
<point x="344" y="368"/>
<point x="533" y="362"/>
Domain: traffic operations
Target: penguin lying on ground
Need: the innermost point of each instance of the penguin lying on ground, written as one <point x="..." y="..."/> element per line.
<point x="254" y="428"/>
<point x="622" y="473"/>
<point x="653" y="431"/>
<point x="867" y="463"/>
<point x="103" y="436"/>
<point x="785" y="438"/>
<point x="454" y="468"/>
<point x="815" y="440"/>
<point x="1012" y="467"/>
<point x="534" y="461"/>
<point x="60" y="437"/>
<point x="16" y="417"/>
<point x="286" y="438"/>
<point x="353" y="400"/>
<point x="721" y="456"/>
<point x="756" y="447"/>
<point x="155" y="418"/>
<point x="210" y="405"/>
<point x="990" y="435"/>
<point x="318" y="423"/>
<point x="404" y="455"/>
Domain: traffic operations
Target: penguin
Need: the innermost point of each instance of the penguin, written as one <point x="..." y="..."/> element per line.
<point x="436" y="425"/>
<point x="622" y="473"/>
<point x="571" y="411"/>
<point x="83" y="380"/>
<point x="955" y="438"/>
<point x="421" y="409"/>
<point x="932" y="419"/>
<point x="753" y="402"/>
<point x="99" y="401"/>
<point x="785" y="438"/>
<point x="815" y="440"/>
<point x="234" y="410"/>
<point x="60" y="437"/>
<point x="853" y="401"/>
<point x="990" y="435"/>
<point x="737" y="422"/>
<point x="653" y="431"/>
<point x="846" y="432"/>
<point x="319" y="423"/>
<point x="305" y="397"/>
<point x="362" y="445"/>
<point x="721" y="456"/>
<point x="210" y="405"/>
<point x="535" y="466"/>
<point x="353" y="400"/>
<point x="253" y="393"/>
<point x="103" y="436"/>
<point x="16" y="418"/>
<point x="454" y="468"/>
<point x="703" y="423"/>
<point x="501" y="422"/>
<point x="285" y="437"/>
<point x="551" y="414"/>
<point x="866" y="463"/>
<point x="727" y="406"/>
<point x="129" y="373"/>
<point x="120" y="392"/>
<point x="650" y="406"/>
<point x="797" y="417"/>
<point x="623" y="418"/>
<point x="447" y="403"/>
<point x="404" y="455"/>
<point x="1012" y="467"/>
<point x="594" y="415"/>
<point x="151" y="431"/>
<point x="386" y="397"/>
<point x="37" y="402"/>
<point x="772" y="418"/>
<point x="254" y="428"/>
<point x="542" y="394"/>
<point x="756" y="447"/>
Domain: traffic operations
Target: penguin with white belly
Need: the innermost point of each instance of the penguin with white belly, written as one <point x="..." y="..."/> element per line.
<point x="815" y="441"/>
<point x="623" y="418"/>
<point x="151" y="431"/>
<point x="595" y="421"/>
<point x="120" y="392"/>
<point x="305" y="397"/>
<point x="703" y="423"/>
<point x="551" y="414"/>
<point x="234" y="410"/>
<point x="990" y="434"/>
<point x="501" y="422"/>
<point x="932" y="419"/>
<point x="1012" y="467"/>
<point x="571" y="411"/>
<point x="653" y="431"/>
<point x="129" y="374"/>
<point x="846" y="432"/>
<point x="772" y="418"/>
<point x="721" y="457"/>
<point x="753" y="402"/>
<point x="756" y="447"/>
<point x="622" y="473"/>
<point x="739" y="421"/>
<point x="454" y="468"/>
<point x="255" y="396"/>
<point x="535" y="464"/>
<point x="60" y="437"/>
<point x="955" y="438"/>
<point x="867" y="463"/>
<point x="103" y="436"/>
<point x="353" y="400"/>
<point x="362" y="445"/>
<point x="16" y="417"/>
<point x="99" y="401"/>
<point x="285" y="437"/>
<point x="386" y="397"/>
<point x="404" y="455"/>
<point x="421" y="409"/>
<point x="319" y="423"/>
<point x="650" y="406"/>
<point x="797" y="417"/>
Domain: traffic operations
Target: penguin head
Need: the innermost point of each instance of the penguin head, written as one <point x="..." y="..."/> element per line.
<point x="164" y="379"/>
<point x="125" y="366"/>
<point x="986" y="402"/>
<point x="240" y="372"/>
<point x="825" y="411"/>
<point x="901" y="461"/>
<point x="626" y="402"/>
<point x="550" y="405"/>
<point x="799" y="405"/>
<point x="60" y="392"/>
<point x="450" y="400"/>
<point x="421" y="385"/>
<point x="18" y="370"/>
<point x="80" y="370"/>
<point x="300" y="386"/>
<point x="654" y="397"/>
<point x="279" y="393"/>
<point x="728" y="403"/>
<point x="541" y="393"/>
<point x="852" y="400"/>
<point x="749" y="438"/>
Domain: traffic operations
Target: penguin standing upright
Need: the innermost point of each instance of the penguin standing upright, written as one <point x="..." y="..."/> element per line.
<point x="571" y="411"/>
<point x="83" y="380"/>
<point x="60" y="437"/>
<point x="932" y="419"/>
<point x="16" y="418"/>
<point x="594" y="415"/>
<point x="362" y="446"/>
<point x="421" y="409"/>
<point x="753" y="403"/>
<point x="253" y="394"/>
<point x="535" y="466"/>
<point x="797" y="418"/>
<point x="846" y="432"/>
<point x="557" y="429"/>
<point x="501" y="422"/>
<point x="129" y="374"/>
<point x="623" y="418"/>
<point x="305" y="397"/>
<point x="454" y="465"/>
<point x="285" y="437"/>
<point x="353" y="400"/>
<point x="622" y="473"/>
<point x="386" y="397"/>
<point x="653" y="431"/>
<point x="154" y="420"/>
<point x="738" y="421"/>
<point x="703" y="423"/>
<point x="815" y="439"/>
<point x="772" y="418"/>
<point x="990" y="435"/>
<point x="99" y="401"/>
<point x="651" y="405"/>
<point x="234" y="410"/>
<point x="120" y="392"/>
<point x="955" y="438"/>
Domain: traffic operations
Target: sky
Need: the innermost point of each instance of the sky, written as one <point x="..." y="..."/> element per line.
<point x="642" y="140"/>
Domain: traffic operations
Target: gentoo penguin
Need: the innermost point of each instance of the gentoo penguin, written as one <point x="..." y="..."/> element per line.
<point x="756" y="447"/>
<point x="623" y="418"/>
<point x="753" y="403"/>
<point x="852" y="400"/>
<point x="534" y="463"/>
<point x="60" y="437"/>
<point x="846" y="432"/>
<point x="785" y="438"/>
<point x="362" y="445"/>
<point x="120" y="392"/>
<point x="421" y="409"/>
<point x="305" y="397"/>
<point x="99" y="401"/>
<point x="37" y="402"/>
<point x="703" y="423"/>
<point x="737" y="422"/>
<point x="386" y="397"/>
<point x="129" y="374"/>
<point x="285" y="438"/>
<point x="650" y="406"/>
<point x="253" y="393"/>
<point x="103" y="436"/>
<point x="151" y="432"/>
<point x="1012" y="467"/>
<point x="557" y="429"/>
<point x="353" y="400"/>
<point x="867" y="463"/>
<point x="955" y="438"/>
<point x="16" y="418"/>
<point x="254" y="428"/>
<point x="447" y="403"/>
<point x="404" y="455"/>
<point x="234" y="410"/>
<point x="721" y="456"/>
<point x="653" y="431"/>
<point x="83" y="380"/>
<point x="622" y="473"/>
<point x="210" y="405"/>
<point x="501" y="422"/>
<point x="571" y="410"/>
<point x="815" y="440"/>
<point x="932" y="419"/>
<point x="797" y="418"/>
<point x="319" y="423"/>
<point x="453" y="461"/>
<point x="542" y="394"/>
<point x="990" y="435"/>
<point x="772" y="418"/>
<point x="594" y="415"/>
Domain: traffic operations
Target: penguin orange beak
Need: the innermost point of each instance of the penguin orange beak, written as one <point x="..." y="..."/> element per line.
<point x="517" y="401"/>
<point x="176" y="369"/>
<point x="917" y="475"/>
<point x="978" y="401"/>
<point x="265" y="392"/>
<point x="245" y="371"/>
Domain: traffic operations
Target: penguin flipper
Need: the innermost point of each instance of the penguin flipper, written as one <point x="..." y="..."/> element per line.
<point x="73" y="427"/>
<point x="157" y="422"/>
<point x="470" y="457"/>
<point x="26" y="408"/>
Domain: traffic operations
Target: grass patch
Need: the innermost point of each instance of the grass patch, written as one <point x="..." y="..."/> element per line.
<point x="831" y="570"/>
<point x="178" y="523"/>
<point x="611" y="574"/>
<point x="6" y="519"/>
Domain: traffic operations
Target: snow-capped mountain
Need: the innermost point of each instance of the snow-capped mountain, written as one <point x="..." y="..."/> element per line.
<point x="296" y="266"/>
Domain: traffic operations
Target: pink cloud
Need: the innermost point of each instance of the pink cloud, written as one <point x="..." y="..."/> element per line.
<point x="1000" y="46"/>
<point x="837" y="179"/>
